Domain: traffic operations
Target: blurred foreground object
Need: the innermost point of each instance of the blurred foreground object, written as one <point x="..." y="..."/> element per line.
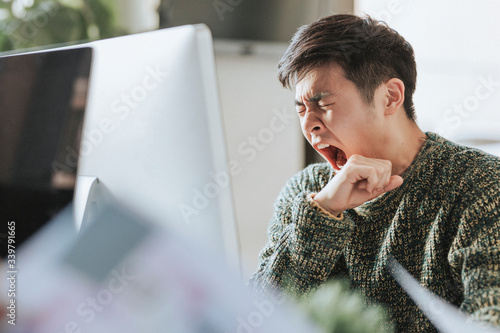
<point x="337" y="309"/>
<point x="445" y="317"/>
<point x="124" y="274"/>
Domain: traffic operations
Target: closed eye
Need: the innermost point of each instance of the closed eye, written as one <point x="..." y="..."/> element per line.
<point x="325" y="105"/>
<point x="300" y="107"/>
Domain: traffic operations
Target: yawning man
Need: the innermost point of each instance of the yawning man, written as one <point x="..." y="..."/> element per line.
<point x="387" y="189"/>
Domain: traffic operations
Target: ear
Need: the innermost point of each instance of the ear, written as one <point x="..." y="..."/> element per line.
<point x="395" y="95"/>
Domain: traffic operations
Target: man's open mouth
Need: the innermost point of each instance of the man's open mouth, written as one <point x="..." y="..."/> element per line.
<point x="332" y="154"/>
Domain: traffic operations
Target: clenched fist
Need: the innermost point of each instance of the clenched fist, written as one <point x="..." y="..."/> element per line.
<point x="360" y="180"/>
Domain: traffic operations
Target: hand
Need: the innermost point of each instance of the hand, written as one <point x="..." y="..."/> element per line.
<point x="360" y="180"/>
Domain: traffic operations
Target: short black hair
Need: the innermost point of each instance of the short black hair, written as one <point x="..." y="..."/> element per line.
<point x="368" y="51"/>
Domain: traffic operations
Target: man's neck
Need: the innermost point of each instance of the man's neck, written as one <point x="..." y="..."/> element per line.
<point x="405" y="146"/>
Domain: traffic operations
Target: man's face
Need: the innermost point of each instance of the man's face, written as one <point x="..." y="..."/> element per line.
<point x="335" y="119"/>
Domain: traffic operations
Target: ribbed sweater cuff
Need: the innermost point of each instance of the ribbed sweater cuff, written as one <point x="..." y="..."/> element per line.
<point x="312" y="221"/>
<point x="310" y="199"/>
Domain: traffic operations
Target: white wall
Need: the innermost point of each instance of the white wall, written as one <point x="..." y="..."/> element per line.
<point x="458" y="59"/>
<point x="263" y="136"/>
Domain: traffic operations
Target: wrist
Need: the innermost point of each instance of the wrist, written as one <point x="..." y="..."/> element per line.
<point x="320" y="203"/>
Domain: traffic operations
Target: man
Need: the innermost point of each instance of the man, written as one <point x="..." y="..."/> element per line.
<point x="387" y="189"/>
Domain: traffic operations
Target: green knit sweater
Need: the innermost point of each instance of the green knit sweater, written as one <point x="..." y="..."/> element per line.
<point x="442" y="225"/>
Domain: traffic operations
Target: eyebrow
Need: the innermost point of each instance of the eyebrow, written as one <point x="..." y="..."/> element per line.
<point x="315" y="98"/>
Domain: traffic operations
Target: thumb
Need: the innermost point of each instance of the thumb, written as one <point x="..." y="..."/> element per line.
<point x="394" y="182"/>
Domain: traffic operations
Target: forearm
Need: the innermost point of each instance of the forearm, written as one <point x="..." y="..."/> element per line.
<point x="301" y="255"/>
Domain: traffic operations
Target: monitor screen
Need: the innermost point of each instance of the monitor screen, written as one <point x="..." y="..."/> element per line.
<point x="42" y="102"/>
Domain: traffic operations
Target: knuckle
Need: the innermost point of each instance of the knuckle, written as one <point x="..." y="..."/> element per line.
<point x="355" y="158"/>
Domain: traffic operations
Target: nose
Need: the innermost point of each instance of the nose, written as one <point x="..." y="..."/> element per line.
<point x="311" y="123"/>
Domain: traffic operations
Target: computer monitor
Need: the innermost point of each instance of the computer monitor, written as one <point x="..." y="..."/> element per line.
<point x="153" y="136"/>
<point x="42" y="104"/>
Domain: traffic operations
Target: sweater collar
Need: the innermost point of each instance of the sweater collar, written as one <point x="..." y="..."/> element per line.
<point x="421" y="161"/>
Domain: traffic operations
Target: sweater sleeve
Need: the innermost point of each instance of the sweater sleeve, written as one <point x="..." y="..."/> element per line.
<point x="475" y="253"/>
<point x="305" y="242"/>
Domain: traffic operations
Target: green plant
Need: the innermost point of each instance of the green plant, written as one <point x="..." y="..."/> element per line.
<point x="34" y="23"/>
<point x="335" y="308"/>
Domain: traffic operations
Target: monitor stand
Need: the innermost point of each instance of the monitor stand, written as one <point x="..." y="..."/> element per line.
<point x="90" y="198"/>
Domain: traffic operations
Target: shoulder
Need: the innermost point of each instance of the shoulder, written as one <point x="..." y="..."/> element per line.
<point x="470" y="183"/>
<point x="467" y="165"/>
<point x="477" y="166"/>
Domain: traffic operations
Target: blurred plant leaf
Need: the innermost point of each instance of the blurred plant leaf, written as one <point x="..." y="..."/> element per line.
<point x="49" y="22"/>
<point x="336" y="308"/>
<point x="104" y="16"/>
